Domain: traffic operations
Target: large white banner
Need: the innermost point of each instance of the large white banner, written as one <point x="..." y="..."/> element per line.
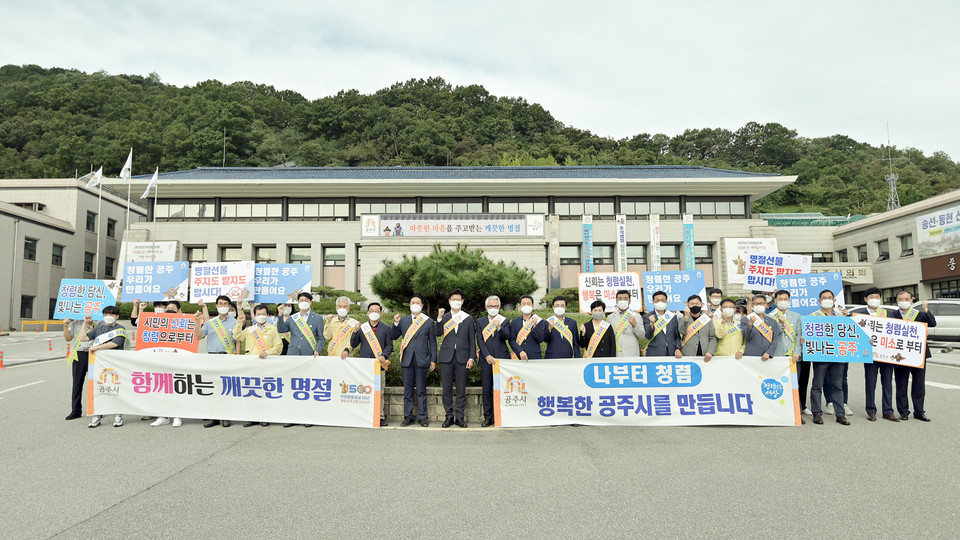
<point x="297" y="389"/>
<point x="146" y="252"/>
<point x="938" y="232"/>
<point x="895" y="341"/>
<point x="763" y="269"/>
<point x="737" y="251"/>
<point x="234" y="279"/>
<point x="646" y="391"/>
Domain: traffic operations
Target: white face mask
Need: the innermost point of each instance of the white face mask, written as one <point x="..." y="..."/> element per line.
<point x="559" y="311"/>
<point x="223" y="310"/>
<point x="760" y="310"/>
<point x="737" y="317"/>
<point x="109" y="319"/>
<point x="415" y="308"/>
<point x="716" y="301"/>
<point x="303" y="306"/>
<point x="287" y="310"/>
<point x="728" y="311"/>
<point x="904" y="305"/>
<point x="374" y="316"/>
<point x="660" y="306"/>
<point x="233" y="314"/>
<point x="623" y="304"/>
<point x="597" y="315"/>
<point x="827" y="304"/>
<point x="261" y="319"/>
<point x="874" y="303"/>
<point x="526" y="310"/>
<point x="783" y="305"/>
<point x="493" y="311"/>
<point x="455" y="304"/>
<point x="342" y="312"/>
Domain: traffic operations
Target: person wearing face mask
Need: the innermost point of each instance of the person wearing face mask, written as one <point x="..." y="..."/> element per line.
<point x="830" y="374"/>
<point x="873" y="296"/>
<point x="261" y="338"/>
<point x="455" y="356"/>
<point x="375" y="341"/>
<point x="106" y="335"/>
<point x="172" y="307"/>
<point x="627" y="326"/>
<point x="696" y="327"/>
<point x="902" y="374"/>
<point x="79" y="360"/>
<point x="285" y="310"/>
<point x="140" y="307"/>
<point x="662" y="329"/>
<point x="493" y="334"/>
<point x="789" y="344"/>
<point x="527" y="331"/>
<point x="563" y="337"/>
<point x="219" y="333"/>
<point x="339" y="328"/>
<point x="418" y="356"/>
<point x="598" y="337"/>
<point x="713" y="309"/>
<point x="828" y="304"/>
<point x="305" y="327"/>
<point x="727" y="329"/>
<point x="760" y="332"/>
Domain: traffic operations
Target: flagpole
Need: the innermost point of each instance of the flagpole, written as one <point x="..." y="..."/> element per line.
<point x="96" y="265"/>
<point x="153" y="235"/>
<point x="128" y="175"/>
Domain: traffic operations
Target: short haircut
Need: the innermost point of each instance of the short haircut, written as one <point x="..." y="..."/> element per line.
<point x="623" y="291"/>
<point x="259" y="307"/>
<point x="174" y="302"/>
<point x="224" y="297"/>
<point x="527" y="296"/>
<point x="454" y="292"/>
<point x="415" y="295"/>
<point x="781" y="291"/>
<point x="305" y="294"/>
<point x="908" y="292"/>
<point x="873" y="290"/>
<point x="111" y="310"/>
<point x="715" y="291"/>
<point x="492" y="297"/>
<point x="659" y="293"/>
<point x="692" y="296"/>
<point x="558" y="298"/>
<point x="596" y="304"/>
<point x="371" y="304"/>
<point x="824" y="292"/>
<point x="342" y="299"/>
<point x="159" y="303"/>
<point x="727" y="300"/>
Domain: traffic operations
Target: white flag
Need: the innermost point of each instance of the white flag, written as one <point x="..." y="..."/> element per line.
<point x="95" y="179"/>
<point x="152" y="184"/>
<point x="127" y="168"/>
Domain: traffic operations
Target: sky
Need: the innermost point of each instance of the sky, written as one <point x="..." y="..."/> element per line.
<point x="614" y="68"/>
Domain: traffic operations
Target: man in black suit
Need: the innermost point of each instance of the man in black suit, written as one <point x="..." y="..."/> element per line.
<point x="493" y="334"/>
<point x="418" y="355"/>
<point x="456" y="356"/>
<point x="902" y="374"/>
<point x="375" y="341"/>
<point x="661" y="329"/>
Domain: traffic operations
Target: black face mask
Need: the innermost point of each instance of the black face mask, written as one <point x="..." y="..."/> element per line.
<point x="695" y="310"/>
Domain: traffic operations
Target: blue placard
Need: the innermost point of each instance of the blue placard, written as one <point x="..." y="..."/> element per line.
<point x="805" y="290"/>
<point x="835" y="339"/>
<point x="689" y="248"/>
<point x="78" y="298"/>
<point x="281" y="282"/>
<point x="156" y="281"/>
<point x="678" y="285"/>
<point x="587" y="245"/>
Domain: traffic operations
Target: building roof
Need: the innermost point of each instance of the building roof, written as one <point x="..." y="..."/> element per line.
<point x="807" y="219"/>
<point x="910" y="210"/>
<point x="462" y="181"/>
<point x="17" y="212"/>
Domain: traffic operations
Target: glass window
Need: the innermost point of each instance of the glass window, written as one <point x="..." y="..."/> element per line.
<point x="88" y="262"/>
<point x="265" y="254"/>
<point x="570" y="254"/>
<point x="906" y="245"/>
<point x="703" y="253"/>
<point x="197" y="254"/>
<point x="29" y="249"/>
<point x="334" y="256"/>
<point x="670" y="254"/>
<point x="91" y="221"/>
<point x="26" y="307"/>
<point x="883" y="250"/>
<point x="57" y="259"/>
<point x="842" y="256"/>
<point x="230" y="253"/>
<point x="112" y="228"/>
<point x="861" y="253"/>
<point x="737" y="208"/>
<point x="298" y="254"/>
<point x="636" y="254"/>
<point x="108" y="267"/>
<point x="602" y="254"/>
<point x="943" y="289"/>
<point x="51" y="308"/>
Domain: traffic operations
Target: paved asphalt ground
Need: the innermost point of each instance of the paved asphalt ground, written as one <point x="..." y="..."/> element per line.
<point x="870" y="480"/>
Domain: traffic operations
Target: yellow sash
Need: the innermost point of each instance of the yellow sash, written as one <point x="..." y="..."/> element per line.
<point x="305" y="330"/>
<point x="258" y="339"/>
<point x="598" y="334"/>
<point x="622" y="325"/>
<point x="527" y="328"/>
<point x="729" y="330"/>
<point x="492" y="327"/>
<point x="412" y="331"/>
<point x="911" y="315"/>
<point x="788" y="329"/>
<point x="345" y="330"/>
<point x="701" y="321"/>
<point x="881" y="312"/>
<point x="559" y="326"/>
<point x="72" y="351"/>
<point x="453" y="322"/>
<point x="221" y="331"/>
<point x="764" y="329"/>
<point x="661" y="323"/>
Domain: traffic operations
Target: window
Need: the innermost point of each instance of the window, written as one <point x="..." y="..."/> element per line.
<point x="265" y="254"/>
<point x="570" y="255"/>
<point x="92" y="222"/>
<point x="88" y="262"/>
<point x="26" y="307"/>
<point x="111" y="228"/>
<point x="230" y="253"/>
<point x="197" y="254"/>
<point x="57" y="258"/>
<point x="298" y="254"/>
<point x="108" y="266"/>
<point x="890" y="294"/>
<point x="334" y="256"/>
<point x="386" y="206"/>
<point x="944" y="289"/>
<point x="861" y="253"/>
<point x="602" y="254"/>
<point x="842" y="256"/>
<point x="635" y="208"/>
<point x="670" y="254"/>
<point x="247" y="210"/>
<point x="316" y="210"/>
<point x="883" y="250"/>
<point x="519" y="206"/>
<point x="819" y="257"/>
<point x="29" y="249"/>
<point x="451" y="206"/>
<point x="906" y="245"/>
<point x="568" y="209"/>
<point x="51" y="308"/>
<point x="716" y="208"/>
<point x="703" y="253"/>
<point x="636" y="254"/>
<point x="189" y="211"/>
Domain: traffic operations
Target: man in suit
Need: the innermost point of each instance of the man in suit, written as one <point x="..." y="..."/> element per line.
<point x="902" y="374"/>
<point x="760" y="331"/>
<point x="828" y="373"/>
<point x="418" y="355"/>
<point x="883" y="369"/>
<point x="563" y="336"/>
<point x="527" y="331"/>
<point x="305" y="327"/>
<point x="627" y="326"/>
<point x="375" y="341"/>
<point x="696" y="327"/>
<point x="661" y="329"/>
<point x="789" y="344"/>
<point x="456" y="356"/>
<point x="493" y="334"/>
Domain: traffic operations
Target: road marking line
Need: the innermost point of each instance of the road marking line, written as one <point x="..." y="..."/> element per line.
<point x="19" y="387"/>
<point x="931" y="383"/>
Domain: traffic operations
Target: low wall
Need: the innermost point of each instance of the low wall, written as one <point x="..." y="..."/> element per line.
<point x="393" y="405"/>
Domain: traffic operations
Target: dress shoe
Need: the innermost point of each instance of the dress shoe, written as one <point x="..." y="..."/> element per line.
<point x="308" y="425"/>
<point x="264" y="424"/>
<point x="424" y="423"/>
<point x="211" y="423"/>
<point x="843" y="420"/>
<point x="461" y="422"/>
<point x="487" y="422"/>
<point x="406" y="422"/>
<point x="891" y="418"/>
<point x="289" y="425"/>
<point x="383" y="422"/>
<point x="225" y="423"/>
<point x="872" y="417"/>
<point x="248" y="424"/>
<point x="447" y="423"/>
<point x="817" y="418"/>
<point x="922" y="417"/>
<point x="904" y="417"/>
<point x="72" y="416"/>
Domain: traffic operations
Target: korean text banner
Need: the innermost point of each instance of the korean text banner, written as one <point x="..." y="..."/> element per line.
<point x="604" y="286"/>
<point x="452" y="225"/>
<point x="938" y="232"/>
<point x="738" y="250"/>
<point x="835" y="339"/>
<point x="646" y="391"/>
<point x="895" y="341"/>
<point x="763" y="269"/>
<point x="152" y="282"/>
<point x="167" y="332"/>
<point x="281" y="389"/>
<point x="621" y="247"/>
<point x="587" y="243"/>
<point x="210" y="280"/>
<point x="145" y="252"/>
<point x="281" y="283"/>
<point x="805" y="290"/>
<point x="78" y="298"/>
<point x="678" y="285"/>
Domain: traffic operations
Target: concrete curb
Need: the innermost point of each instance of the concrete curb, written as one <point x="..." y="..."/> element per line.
<point x="31" y="361"/>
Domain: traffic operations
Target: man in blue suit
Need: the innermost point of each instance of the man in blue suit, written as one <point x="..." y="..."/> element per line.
<point x="661" y="329"/>
<point x="305" y="327"/>
<point x="761" y="333"/>
<point x="456" y="356"/>
<point x="563" y="337"/>
<point x="418" y="355"/>
<point x="902" y="374"/>
<point x="527" y="331"/>
<point x="493" y="334"/>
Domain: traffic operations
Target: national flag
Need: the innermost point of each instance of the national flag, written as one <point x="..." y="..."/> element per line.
<point x="152" y="184"/>
<point x="95" y="179"/>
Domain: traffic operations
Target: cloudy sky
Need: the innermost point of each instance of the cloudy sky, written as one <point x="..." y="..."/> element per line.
<point x="614" y="68"/>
